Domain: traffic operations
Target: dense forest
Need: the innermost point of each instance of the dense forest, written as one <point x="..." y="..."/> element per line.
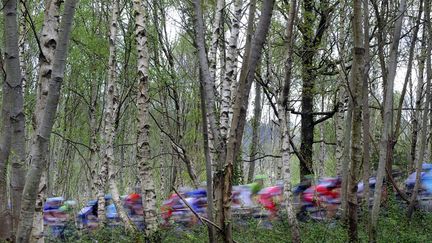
<point x="151" y="97"/>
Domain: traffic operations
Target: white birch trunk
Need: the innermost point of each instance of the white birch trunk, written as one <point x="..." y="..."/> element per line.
<point x="143" y="103"/>
<point x="48" y="39"/>
<point x="229" y="80"/>
<point x="284" y="121"/>
<point x="93" y="141"/>
<point x="39" y="150"/>
<point x="322" y="148"/>
<point x="339" y="127"/>
<point x="23" y="46"/>
<point x="111" y="105"/>
<point x="216" y="33"/>
<point x="12" y="139"/>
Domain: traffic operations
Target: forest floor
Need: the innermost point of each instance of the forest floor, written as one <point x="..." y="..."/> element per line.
<point x="393" y="227"/>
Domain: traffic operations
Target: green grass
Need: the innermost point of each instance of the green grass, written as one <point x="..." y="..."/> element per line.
<point x="393" y="227"/>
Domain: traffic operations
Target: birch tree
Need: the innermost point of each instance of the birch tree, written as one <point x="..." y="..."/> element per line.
<point x="107" y="173"/>
<point x="39" y="148"/>
<point x="247" y="76"/>
<point x="48" y="44"/>
<point x="143" y="122"/>
<point x="12" y="143"/>
<point x="284" y="122"/>
<point x="229" y="80"/>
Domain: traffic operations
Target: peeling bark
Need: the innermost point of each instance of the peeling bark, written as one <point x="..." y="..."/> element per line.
<point x="143" y="104"/>
<point x="230" y="70"/>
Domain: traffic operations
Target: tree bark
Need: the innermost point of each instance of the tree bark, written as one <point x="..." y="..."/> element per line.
<point x="209" y="177"/>
<point x="322" y="147"/>
<point x="417" y="105"/>
<point x="357" y="76"/>
<point x="230" y="69"/>
<point x="284" y="121"/>
<point x="365" y="108"/>
<point x="247" y="76"/>
<point x="12" y="145"/>
<point x="108" y="173"/>
<point x="39" y="148"/>
<point x="247" y="47"/>
<point x="143" y="136"/>
<point x="216" y="34"/>
<point x="49" y="40"/>
<point x="423" y="134"/>
<point x="255" y="132"/>
<point x="386" y="136"/>
<point x="311" y="41"/>
<point x="339" y="127"/>
<point x="207" y="81"/>
<point x="94" y="148"/>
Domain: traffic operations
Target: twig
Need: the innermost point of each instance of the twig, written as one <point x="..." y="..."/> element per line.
<point x="189" y="206"/>
<point x="401" y="193"/>
<point x="71" y="141"/>
<point x="201" y="218"/>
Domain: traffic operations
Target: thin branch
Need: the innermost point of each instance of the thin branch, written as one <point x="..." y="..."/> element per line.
<point x="328" y="116"/>
<point x="32" y="25"/>
<point x="201" y="218"/>
<point x="71" y="141"/>
<point x="263" y="157"/>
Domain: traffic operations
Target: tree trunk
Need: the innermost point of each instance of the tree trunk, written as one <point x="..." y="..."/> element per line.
<point x="247" y="47"/>
<point x="247" y="76"/>
<point x="143" y="136"/>
<point x="417" y="106"/>
<point x="339" y="127"/>
<point x="39" y="148"/>
<point x="111" y="105"/>
<point x="322" y="149"/>
<point x="284" y="121"/>
<point x="357" y="76"/>
<point x="386" y="136"/>
<point x="48" y="39"/>
<point x="23" y="45"/>
<point x="365" y="108"/>
<point x="307" y="127"/>
<point x="423" y="135"/>
<point x="216" y="33"/>
<point x="346" y="158"/>
<point x="12" y="145"/>
<point x="207" y="81"/>
<point x="255" y="132"/>
<point x="230" y="69"/>
<point x="209" y="177"/>
<point x="93" y="124"/>
<point x="311" y="42"/>
<point x="212" y="58"/>
<point x="111" y="109"/>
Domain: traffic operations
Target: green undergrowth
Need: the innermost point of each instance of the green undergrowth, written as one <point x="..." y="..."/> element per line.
<point x="393" y="227"/>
